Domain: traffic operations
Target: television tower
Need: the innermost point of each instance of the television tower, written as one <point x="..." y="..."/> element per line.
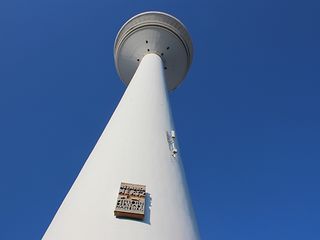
<point x="132" y="186"/>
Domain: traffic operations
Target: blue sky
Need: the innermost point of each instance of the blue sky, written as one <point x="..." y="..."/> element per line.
<point x="247" y="114"/>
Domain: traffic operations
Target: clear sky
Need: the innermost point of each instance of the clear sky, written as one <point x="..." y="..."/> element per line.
<point x="247" y="115"/>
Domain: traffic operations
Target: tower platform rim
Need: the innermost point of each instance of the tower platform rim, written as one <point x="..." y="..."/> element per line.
<point x="156" y="21"/>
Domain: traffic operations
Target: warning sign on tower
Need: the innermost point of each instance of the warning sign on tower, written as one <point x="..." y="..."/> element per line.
<point x="131" y="201"/>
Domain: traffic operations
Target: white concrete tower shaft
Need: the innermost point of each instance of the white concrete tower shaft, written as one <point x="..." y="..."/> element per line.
<point x="138" y="146"/>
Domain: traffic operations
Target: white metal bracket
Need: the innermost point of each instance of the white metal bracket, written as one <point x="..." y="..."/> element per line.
<point x="171" y="136"/>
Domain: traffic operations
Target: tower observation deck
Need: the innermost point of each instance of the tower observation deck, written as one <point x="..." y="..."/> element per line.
<point x="158" y="33"/>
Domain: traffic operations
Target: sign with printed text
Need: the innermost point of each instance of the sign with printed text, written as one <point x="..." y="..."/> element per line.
<point x="131" y="201"/>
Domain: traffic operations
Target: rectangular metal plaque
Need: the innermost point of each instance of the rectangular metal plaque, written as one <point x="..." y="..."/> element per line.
<point x="131" y="201"/>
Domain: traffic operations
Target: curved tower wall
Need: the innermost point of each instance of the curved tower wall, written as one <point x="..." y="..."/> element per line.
<point x="135" y="147"/>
